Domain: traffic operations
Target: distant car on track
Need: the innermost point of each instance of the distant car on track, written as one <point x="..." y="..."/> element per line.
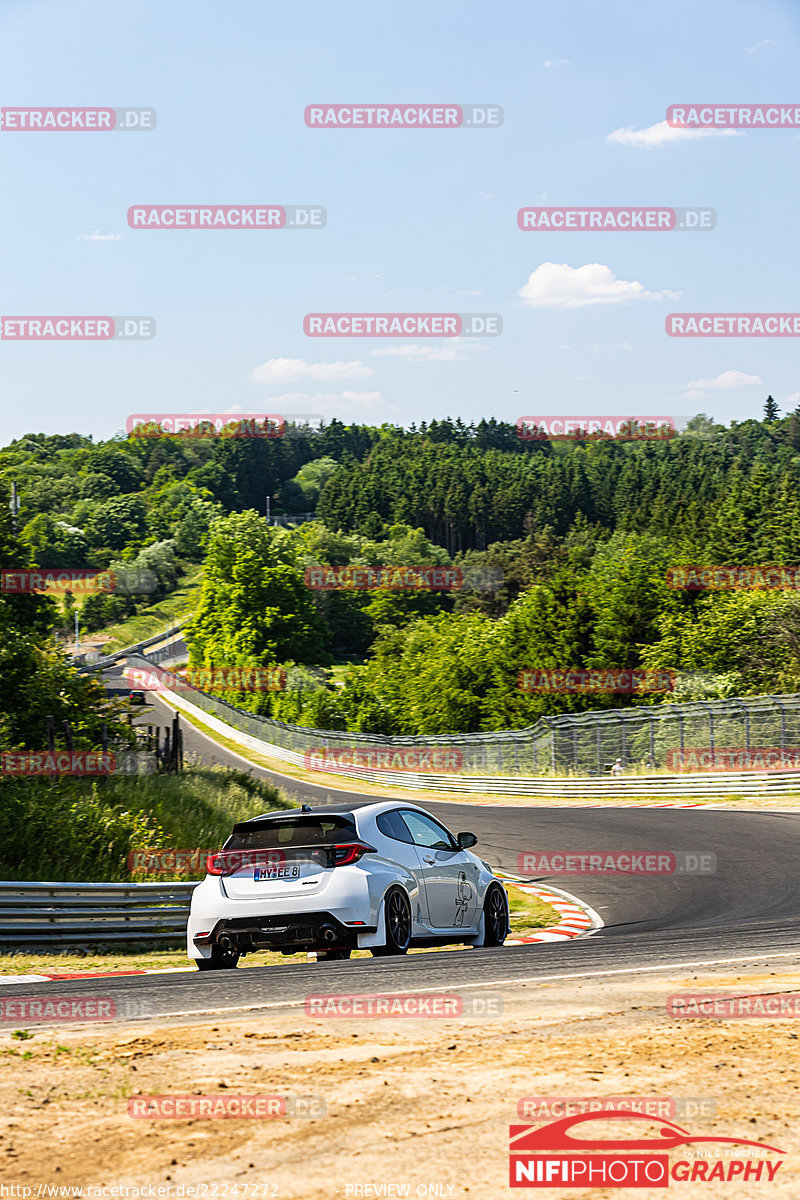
<point x="383" y="877"/>
<point x="136" y="697"/>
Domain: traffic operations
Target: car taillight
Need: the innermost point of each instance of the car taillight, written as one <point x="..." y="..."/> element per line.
<point x="349" y="852"/>
<point x="219" y="864"/>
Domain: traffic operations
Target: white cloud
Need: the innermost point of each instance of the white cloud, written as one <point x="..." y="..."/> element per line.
<point x="281" y="370"/>
<point x="556" y="285"/>
<point x="793" y="399"/>
<point x="662" y="133"/>
<point x="728" y="379"/>
<point x="555" y="62"/>
<point x="97" y="236"/>
<point x="761" y="45"/>
<point x="346" y="406"/>
<point x="323" y="397"/>
<point x="449" y="352"/>
<point x="626" y="345"/>
<point x="484" y="195"/>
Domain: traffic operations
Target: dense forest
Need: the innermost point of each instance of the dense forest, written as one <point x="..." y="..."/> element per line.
<point x="564" y="548"/>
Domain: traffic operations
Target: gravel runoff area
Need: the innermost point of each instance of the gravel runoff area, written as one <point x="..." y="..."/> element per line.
<point x="398" y="1106"/>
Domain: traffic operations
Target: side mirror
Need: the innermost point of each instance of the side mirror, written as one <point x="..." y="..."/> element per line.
<point x="465" y="840"/>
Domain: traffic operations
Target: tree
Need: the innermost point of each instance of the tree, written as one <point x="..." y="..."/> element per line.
<point x="254" y="608"/>
<point x="771" y="410"/>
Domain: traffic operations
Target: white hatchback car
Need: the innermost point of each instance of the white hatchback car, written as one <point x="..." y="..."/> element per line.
<point x="381" y="877"/>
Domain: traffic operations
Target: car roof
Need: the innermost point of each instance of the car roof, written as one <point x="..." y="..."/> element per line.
<point x="372" y="808"/>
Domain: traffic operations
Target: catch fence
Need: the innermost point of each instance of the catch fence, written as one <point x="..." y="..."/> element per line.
<point x="648" y="737"/>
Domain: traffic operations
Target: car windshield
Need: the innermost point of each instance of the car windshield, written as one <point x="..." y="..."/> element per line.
<point x="292" y="831"/>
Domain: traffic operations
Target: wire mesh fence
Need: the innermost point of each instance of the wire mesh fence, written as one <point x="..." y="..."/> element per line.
<point x="730" y="734"/>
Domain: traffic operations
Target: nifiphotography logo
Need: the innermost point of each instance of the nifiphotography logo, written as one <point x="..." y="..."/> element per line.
<point x="561" y="1154"/>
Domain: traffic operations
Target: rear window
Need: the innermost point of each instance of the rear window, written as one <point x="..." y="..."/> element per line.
<point x="293" y="831"/>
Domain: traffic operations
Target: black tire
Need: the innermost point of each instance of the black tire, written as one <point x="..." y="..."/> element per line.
<point x="495" y="916"/>
<point x="333" y="955"/>
<point x="397" y="915"/>
<point x="222" y="958"/>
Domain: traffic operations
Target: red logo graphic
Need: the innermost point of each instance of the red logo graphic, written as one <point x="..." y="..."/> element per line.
<point x="552" y="1156"/>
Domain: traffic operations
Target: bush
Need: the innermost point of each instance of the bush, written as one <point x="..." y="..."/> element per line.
<point x="71" y="830"/>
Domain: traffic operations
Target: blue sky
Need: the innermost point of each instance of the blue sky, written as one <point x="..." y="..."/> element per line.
<point x="418" y="220"/>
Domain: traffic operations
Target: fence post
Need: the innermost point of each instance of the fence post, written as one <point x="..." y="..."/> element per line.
<point x="783" y="722"/>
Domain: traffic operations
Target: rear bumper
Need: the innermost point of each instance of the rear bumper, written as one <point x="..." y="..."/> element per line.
<point x="304" y="930"/>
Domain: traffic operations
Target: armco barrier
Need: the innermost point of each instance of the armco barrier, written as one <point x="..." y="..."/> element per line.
<point x="108" y="660"/>
<point x="290" y="744"/>
<point x="82" y="914"/>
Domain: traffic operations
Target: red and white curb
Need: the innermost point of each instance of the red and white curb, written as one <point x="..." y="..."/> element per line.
<point x="91" y="975"/>
<point x="577" y="918"/>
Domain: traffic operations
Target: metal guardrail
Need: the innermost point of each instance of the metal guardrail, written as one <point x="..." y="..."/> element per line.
<point x="82" y="914"/>
<point x="108" y="660"/>
<point x="216" y="714"/>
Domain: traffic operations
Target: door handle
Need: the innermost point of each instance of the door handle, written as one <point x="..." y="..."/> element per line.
<point x="428" y="860"/>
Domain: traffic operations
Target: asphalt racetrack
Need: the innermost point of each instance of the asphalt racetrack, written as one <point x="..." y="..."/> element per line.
<point x="747" y="912"/>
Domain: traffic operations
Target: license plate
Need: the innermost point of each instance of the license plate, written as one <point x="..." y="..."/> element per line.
<point x="262" y="873"/>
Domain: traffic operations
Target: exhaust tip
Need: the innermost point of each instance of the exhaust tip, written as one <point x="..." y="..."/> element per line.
<point x="328" y="934"/>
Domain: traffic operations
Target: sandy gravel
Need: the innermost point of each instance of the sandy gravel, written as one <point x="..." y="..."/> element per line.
<point x="412" y="1103"/>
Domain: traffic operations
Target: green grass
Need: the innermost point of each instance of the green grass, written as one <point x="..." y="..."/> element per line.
<point x="527" y="915"/>
<point x="150" y="621"/>
<point x="73" y="829"/>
